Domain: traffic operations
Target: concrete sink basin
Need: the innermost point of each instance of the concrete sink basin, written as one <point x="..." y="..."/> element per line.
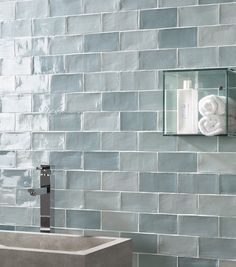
<point x="20" y="249"/>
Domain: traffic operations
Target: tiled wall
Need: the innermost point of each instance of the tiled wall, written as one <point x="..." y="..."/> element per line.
<point x="80" y="89"/>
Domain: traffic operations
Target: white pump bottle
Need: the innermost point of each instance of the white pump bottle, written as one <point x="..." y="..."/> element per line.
<point x="187" y="109"/>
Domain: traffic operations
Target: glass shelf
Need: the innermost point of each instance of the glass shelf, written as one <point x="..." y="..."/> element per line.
<point x="199" y="102"/>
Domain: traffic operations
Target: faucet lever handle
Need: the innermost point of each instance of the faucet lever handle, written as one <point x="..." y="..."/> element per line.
<point x="39" y="191"/>
<point x="44" y="169"/>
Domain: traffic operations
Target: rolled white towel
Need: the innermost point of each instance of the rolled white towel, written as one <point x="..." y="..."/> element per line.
<point x="212" y="125"/>
<point x="215" y="124"/>
<point x="213" y="104"/>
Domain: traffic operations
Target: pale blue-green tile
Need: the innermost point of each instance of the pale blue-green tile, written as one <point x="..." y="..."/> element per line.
<point x="120" y="181"/>
<point x="83" y="180"/>
<point x="101" y="82"/>
<point x="58" y="218"/>
<point x="63" y="7"/>
<point x="197" y="143"/>
<point x="198" y="183"/>
<point x="138" y="121"/>
<point x="158" y="182"/>
<point x="66" y="160"/>
<point x="198" y="57"/>
<point x="49" y="26"/>
<point x="126" y="141"/>
<point x="198" y="15"/>
<point x="142" y="242"/>
<point x="170" y="3"/>
<point x="84" y="24"/>
<point x="15" y="178"/>
<point x="162" y="18"/>
<point x="16" y="141"/>
<point x="178" y="203"/>
<point x="217" y="35"/>
<point x="12" y="197"/>
<point x="46" y="103"/>
<point x="83" y="141"/>
<point x="120" y="221"/>
<point x="228" y="184"/>
<point x="68" y="199"/>
<point x="151" y="141"/>
<point x="65" y="122"/>
<point x="83" y="219"/>
<point x="198" y="226"/>
<point x="137" y="4"/>
<point x="157" y="260"/>
<point x="15" y="215"/>
<point x="7" y="10"/>
<point x="217" y="248"/>
<point x="48" y="64"/>
<point x="31" y="159"/>
<point x="158" y="223"/>
<point x="217" y="162"/>
<point x="228" y="227"/>
<point x="120" y="21"/>
<point x="145" y="202"/>
<point x="95" y="6"/>
<point x="136" y="161"/>
<point x="48" y="141"/>
<point x="217" y="205"/>
<point x="7" y="48"/>
<point x="66" y="44"/>
<point x="138" y="40"/>
<point x="121" y="101"/>
<point x="138" y="80"/>
<point x="227" y="13"/>
<point x="31" y="9"/>
<point x="66" y="83"/>
<point x="58" y="180"/>
<point x="101" y="121"/>
<point x="101" y="161"/>
<point x="83" y="63"/>
<point x="178" y="245"/>
<point x="227" y="56"/>
<point x="212" y="79"/>
<point x="7" y="159"/>
<point x="83" y="102"/>
<point x="191" y="262"/>
<point x="174" y="38"/>
<point x="8" y="227"/>
<point x="101" y="233"/>
<point x="160" y="59"/>
<point x="204" y="2"/>
<point x="16" y="28"/>
<point x="177" y="162"/>
<point x="151" y="100"/>
<point x="120" y="61"/>
<point x="17" y="66"/>
<point x="102" y="200"/>
<point x="101" y="42"/>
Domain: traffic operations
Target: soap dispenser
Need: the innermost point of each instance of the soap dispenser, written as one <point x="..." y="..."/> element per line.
<point x="187" y="109"/>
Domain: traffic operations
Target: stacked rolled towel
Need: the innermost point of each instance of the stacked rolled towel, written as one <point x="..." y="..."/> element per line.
<point x="213" y="110"/>
<point x="213" y="104"/>
<point x="215" y="124"/>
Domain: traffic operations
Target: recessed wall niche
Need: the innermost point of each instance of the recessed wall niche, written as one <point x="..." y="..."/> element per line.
<point x="199" y="102"/>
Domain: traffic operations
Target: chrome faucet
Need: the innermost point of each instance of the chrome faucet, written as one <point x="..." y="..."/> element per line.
<point x="44" y="193"/>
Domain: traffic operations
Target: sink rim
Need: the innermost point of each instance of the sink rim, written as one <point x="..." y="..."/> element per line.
<point x="112" y="242"/>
